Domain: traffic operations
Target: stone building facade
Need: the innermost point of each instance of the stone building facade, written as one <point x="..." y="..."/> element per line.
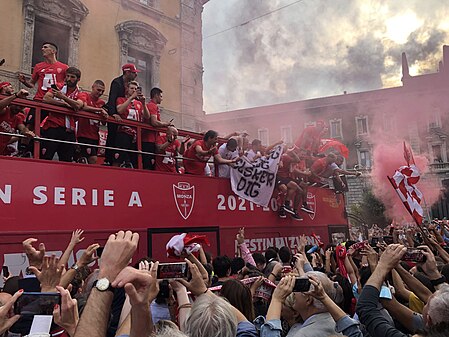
<point x="163" y="38"/>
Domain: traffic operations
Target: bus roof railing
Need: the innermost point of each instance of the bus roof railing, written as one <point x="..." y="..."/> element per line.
<point x="38" y="106"/>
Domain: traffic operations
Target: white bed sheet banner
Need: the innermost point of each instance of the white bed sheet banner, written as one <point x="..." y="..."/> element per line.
<point x="255" y="181"/>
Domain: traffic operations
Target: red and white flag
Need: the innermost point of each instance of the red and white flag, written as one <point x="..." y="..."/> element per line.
<point x="404" y="181"/>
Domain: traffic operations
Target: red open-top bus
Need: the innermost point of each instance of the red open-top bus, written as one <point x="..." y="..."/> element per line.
<point x="47" y="200"/>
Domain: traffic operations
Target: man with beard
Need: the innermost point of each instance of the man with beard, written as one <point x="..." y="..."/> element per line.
<point x="11" y="117"/>
<point x="58" y="126"/>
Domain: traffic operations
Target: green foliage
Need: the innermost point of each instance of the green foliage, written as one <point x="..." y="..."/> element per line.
<point x="371" y="210"/>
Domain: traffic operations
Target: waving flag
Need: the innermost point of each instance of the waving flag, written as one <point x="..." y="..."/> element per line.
<point x="404" y="182"/>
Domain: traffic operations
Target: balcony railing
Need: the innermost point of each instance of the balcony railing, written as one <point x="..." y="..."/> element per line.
<point x="139" y="126"/>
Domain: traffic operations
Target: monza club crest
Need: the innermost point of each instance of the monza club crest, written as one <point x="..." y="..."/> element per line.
<point x="184" y="198"/>
<point x="311" y="204"/>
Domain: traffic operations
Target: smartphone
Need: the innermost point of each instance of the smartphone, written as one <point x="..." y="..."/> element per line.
<point x="31" y="303"/>
<point x="5" y="271"/>
<point x="301" y="285"/>
<point x="100" y="251"/>
<point x="374" y="242"/>
<point x="29" y="284"/>
<point x="414" y="255"/>
<point x="359" y="245"/>
<point x="388" y="239"/>
<point x="286" y="270"/>
<point x="54" y="86"/>
<point x="172" y="270"/>
<point x="385" y="292"/>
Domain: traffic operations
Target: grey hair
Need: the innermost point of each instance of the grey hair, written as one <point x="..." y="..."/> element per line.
<point x="211" y="316"/>
<point x="164" y="328"/>
<point x="438" y="306"/>
<point x="332" y="289"/>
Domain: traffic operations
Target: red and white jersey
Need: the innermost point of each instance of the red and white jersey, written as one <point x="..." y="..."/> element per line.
<point x="134" y="112"/>
<point x="9" y="123"/>
<point x="55" y="120"/>
<point x="167" y="163"/>
<point x="153" y="109"/>
<point x="88" y="128"/>
<point x="45" y="74"/>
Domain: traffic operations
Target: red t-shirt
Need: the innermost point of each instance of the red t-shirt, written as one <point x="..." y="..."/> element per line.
<point x="309" y="139"/>
<point x="319" y="166"/>
<point x="46" y="74"/>
<point x="150" y="136"/>
<point x="88" y="128"/>
<point x="197" y="165"/>
<point x="134" y="112"/>
<point x="55" y="120"/>
<point x="284" y="169"/>
<point x="167" y="163"/>
<point x="9" y="123"/>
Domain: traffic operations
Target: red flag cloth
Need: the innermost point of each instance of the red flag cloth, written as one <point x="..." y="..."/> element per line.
<point x="332" y="144"/>
<point x="185" y="243"/>
<point x="404" y="181"/>
<point x="340" y="254"/>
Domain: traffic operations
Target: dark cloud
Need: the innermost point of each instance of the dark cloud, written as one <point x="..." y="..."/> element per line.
<point x="310" y="49"/>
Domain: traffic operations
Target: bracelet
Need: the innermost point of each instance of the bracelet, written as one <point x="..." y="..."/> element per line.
<point x="184" y="306"/>
<point x="273" y="275"/>
<point x="438" y="281"/>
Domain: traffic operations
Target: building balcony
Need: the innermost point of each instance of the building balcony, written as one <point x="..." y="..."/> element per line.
<point x="439" y="167"/>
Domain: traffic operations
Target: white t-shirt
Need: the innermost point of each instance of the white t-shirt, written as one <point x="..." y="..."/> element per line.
<point x="224" y="170"/>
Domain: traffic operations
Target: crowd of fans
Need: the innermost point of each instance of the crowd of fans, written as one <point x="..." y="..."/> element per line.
<point x="353" y="288"/>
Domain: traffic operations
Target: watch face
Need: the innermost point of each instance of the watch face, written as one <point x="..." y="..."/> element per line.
<point x="102" y="284"/>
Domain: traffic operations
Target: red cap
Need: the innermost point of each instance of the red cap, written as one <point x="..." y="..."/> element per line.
<point x="4" y="84"/>
<point x="130" y="67"/>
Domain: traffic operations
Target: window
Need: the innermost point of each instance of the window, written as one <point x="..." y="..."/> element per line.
<point x="143" y="63"/>
<point x="142" y="44"/>
<point x="362" y="125"/>
<point x="389" y="122"/>
<point x="54" y="21"/>
<point x="335" y="128"/>
<point x="44" y="31"/>
<point x="437" y="154"/>
<point x="263" y="136"/>
<point x="286" y="134"/>
<point x="365" y="158"/>
<point x="435" y="119"/>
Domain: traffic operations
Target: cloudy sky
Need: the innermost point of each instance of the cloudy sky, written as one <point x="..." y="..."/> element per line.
<point x="315" y="48"/>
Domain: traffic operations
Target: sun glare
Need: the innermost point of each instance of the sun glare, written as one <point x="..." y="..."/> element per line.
<point x="399" y="27"/>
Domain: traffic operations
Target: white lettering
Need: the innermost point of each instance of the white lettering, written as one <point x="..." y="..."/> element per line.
<point x="5" y="196"/>
<point x="108" y="198"/>
<point x="78" y="195"/>
<point x="39" y="193"/>
<point x="134" y="200"/>
<point x="59" y="196"/>
<point x="94" y="198"/>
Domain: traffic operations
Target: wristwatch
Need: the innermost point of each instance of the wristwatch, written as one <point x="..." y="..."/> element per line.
<point x="103" y="284"/>
<point x="75" y="267"/>
<point x="438" y="281"/>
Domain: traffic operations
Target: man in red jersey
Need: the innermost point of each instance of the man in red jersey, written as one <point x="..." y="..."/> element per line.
<point x="149" y="137"/>
<point x="11" y="117"/>
<point x="131" y="107"/>
<point x="169" y="146"/>
<point x="87" y="131"/>
<point x="197" y="155"/>
<point x="310" y="138"/>
<point x="58" y="126"/>
<point x="45" y="74"/>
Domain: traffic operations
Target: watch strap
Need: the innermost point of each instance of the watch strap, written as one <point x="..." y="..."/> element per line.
<point x="110" y="288"/>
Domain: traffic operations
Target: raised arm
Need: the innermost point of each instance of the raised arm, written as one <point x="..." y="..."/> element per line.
<point x="75" y="239"/>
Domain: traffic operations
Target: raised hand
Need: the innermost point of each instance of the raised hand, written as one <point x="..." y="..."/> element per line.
<point x="34" y="256"/>
<point x="50" y="275"/>
<point x="88" y="255"/>
<point x="284" y="288"/>
<point x="77" y="237"/>
<point x="67" y="315"/>
<point x="391" y="256"/>
<point x="117" y="252"/>
<point x="241" y="236"/>
<point x="196" y="285"/>
<point x="6" y="320"/>
<point x="317" y="290"/>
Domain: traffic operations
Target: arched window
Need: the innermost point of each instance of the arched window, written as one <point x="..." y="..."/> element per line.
<point x="53" y="21"/>
<point x="142" y="45"/>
